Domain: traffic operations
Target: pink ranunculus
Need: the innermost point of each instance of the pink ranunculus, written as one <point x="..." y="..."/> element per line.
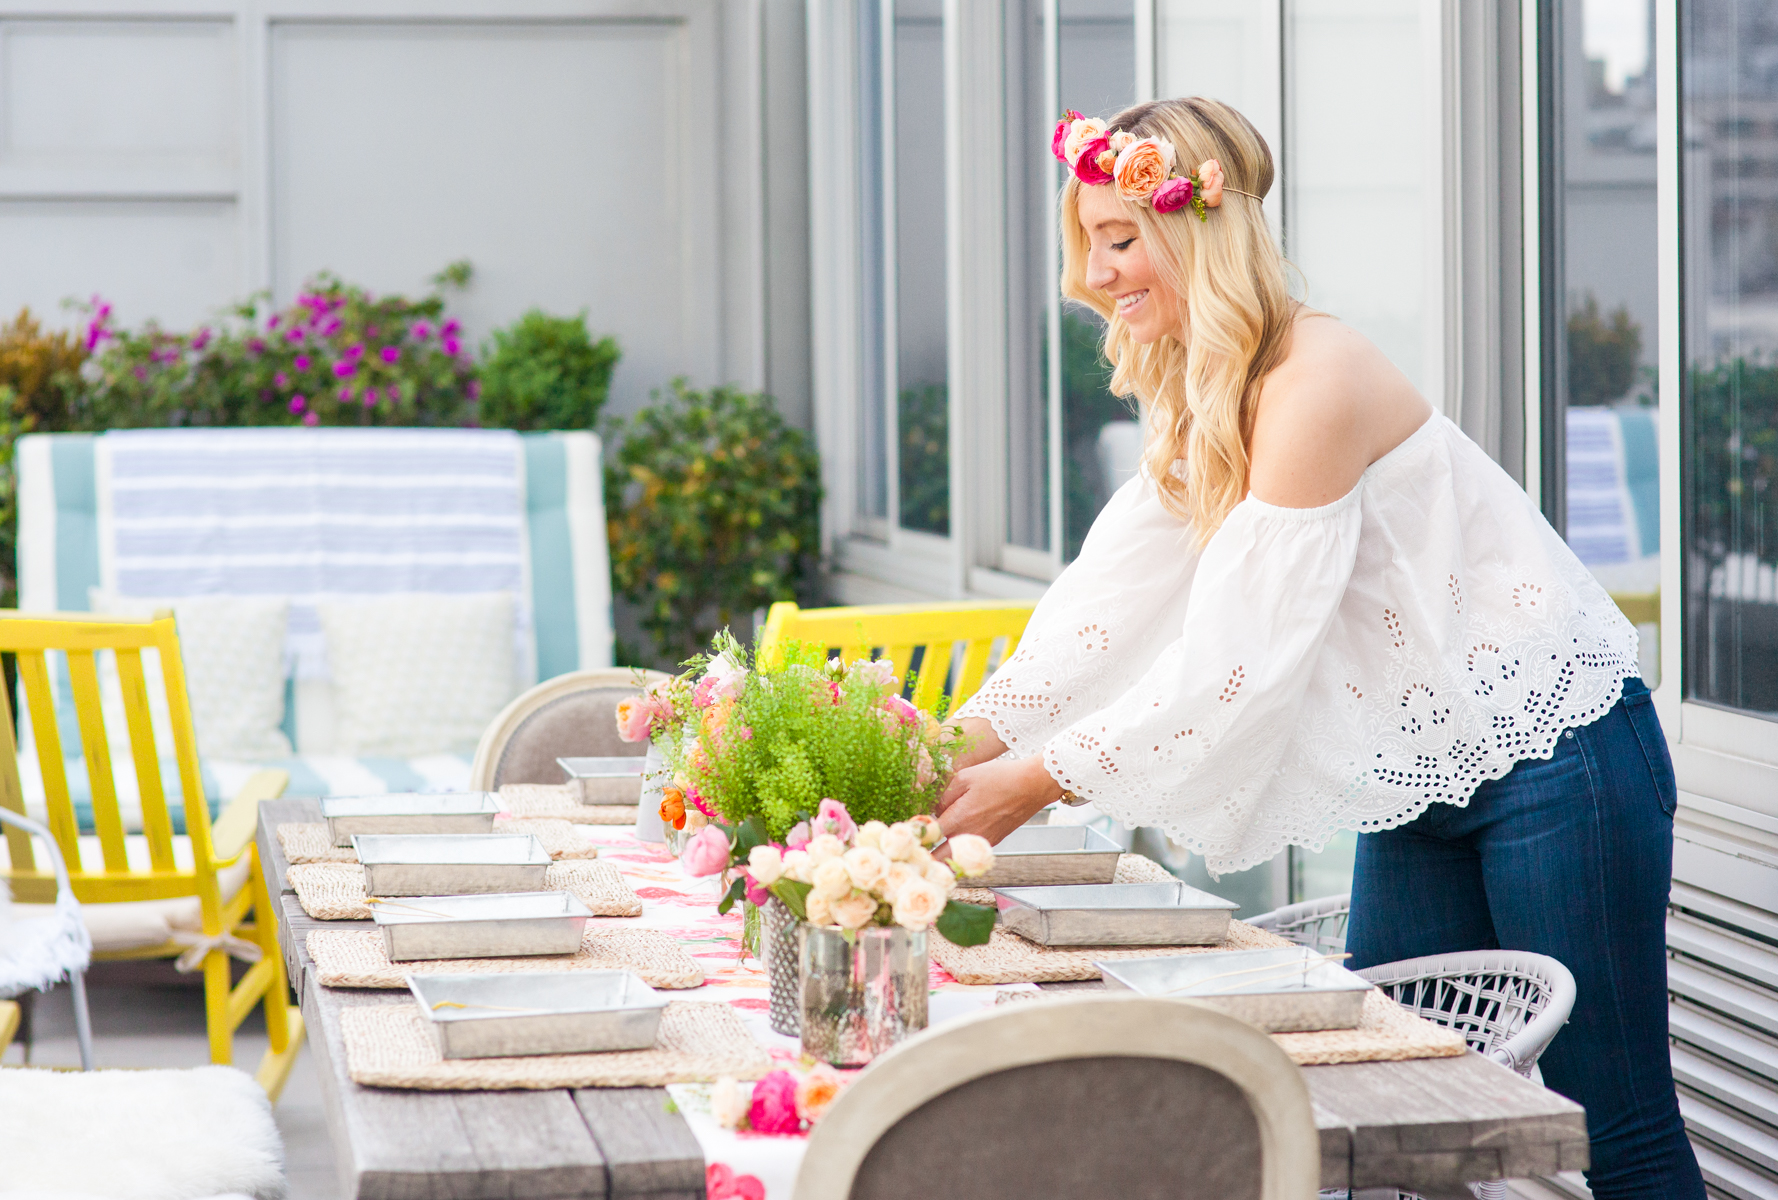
<point x="1172" y="195"/>
<point x="756" y="893"/>
<point x="774" y="1105"/>
<point x="901" y="709"/>
<point x="696" y="799"/>
<point x="705" y="854"/>
<point x="1087" y="168"/>
<point x="799" y="836"/>
<point x="633" y="716"/>
<point x="831" y="817"/>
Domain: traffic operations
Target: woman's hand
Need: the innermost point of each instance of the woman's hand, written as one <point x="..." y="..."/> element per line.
<point x="995" y="798"/>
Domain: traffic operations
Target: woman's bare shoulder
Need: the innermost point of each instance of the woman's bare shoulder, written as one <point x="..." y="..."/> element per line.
<point x="1334" y="406"/>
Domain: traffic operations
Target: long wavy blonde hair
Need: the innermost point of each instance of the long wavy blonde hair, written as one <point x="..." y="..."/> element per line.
<point x="1202" y="384"/>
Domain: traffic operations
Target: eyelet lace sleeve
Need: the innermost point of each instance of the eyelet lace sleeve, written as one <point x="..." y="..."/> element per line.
<point x="1195" y="743"/>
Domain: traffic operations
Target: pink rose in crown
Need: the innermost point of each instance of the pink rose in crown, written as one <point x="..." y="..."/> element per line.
<point x="1087" y="168"/>
<point x="1210" y="171"/>
<point x="831" y="817"/>
<point x="774" y="1105"/>
<point x="705" y="853"/>
<point x="1172" y="195"/>
<point x="1059" y="141"/>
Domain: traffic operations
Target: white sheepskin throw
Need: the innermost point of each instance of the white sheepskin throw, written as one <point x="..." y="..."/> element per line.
<point x="137" y="1135"/>
<point x="36" y="953"/>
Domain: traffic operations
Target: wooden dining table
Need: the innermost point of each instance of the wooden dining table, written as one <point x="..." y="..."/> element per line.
<point x="1427" y="1125"/>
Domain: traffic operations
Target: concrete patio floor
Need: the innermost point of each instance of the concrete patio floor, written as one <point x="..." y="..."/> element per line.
<point x="145" y="1024"/>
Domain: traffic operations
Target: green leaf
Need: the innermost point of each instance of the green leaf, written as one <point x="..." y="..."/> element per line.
<point x="751" y="833"/>
<point x="736" y="891"/>
<point x="966" y="924"/>
<point x="794" y="896"/>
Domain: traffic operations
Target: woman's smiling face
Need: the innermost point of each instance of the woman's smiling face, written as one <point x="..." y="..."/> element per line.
<point x="1118" y="265"/>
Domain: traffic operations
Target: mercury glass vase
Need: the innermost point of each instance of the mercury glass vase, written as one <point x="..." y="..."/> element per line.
<point x="778" y="951"/>
<point x="860" y="995"/>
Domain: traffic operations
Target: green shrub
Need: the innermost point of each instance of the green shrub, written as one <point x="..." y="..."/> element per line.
<point x="545" y="372"/>
<point x="1603" y="350"/>
<point x="713" y="511"/>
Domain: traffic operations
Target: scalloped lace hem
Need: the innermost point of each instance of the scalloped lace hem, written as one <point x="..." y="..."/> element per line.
<point x="1225" y="857"/>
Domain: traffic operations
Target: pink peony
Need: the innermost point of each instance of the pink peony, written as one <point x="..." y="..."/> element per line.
<point x="1172" y="195"/>
<point x="705" y="854"/>
<point x="633" y="714"/>
<point x="774" y="1105"/>
<point x="799" y="836"/>
<point x="721" y="1183"/>
<point x="831" y="817"/>
<point x="1087" y="168"/>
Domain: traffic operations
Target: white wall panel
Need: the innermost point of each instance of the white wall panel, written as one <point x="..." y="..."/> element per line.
<point x="176" y="261"/>
<point x="566" y="161"/>
<point x="117" y="96"/>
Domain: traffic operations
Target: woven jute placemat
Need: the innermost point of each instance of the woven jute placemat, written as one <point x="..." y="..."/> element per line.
<point x="335" y="891"/>
<point x="1009" y="958"/>
<point x="358" y="958"/>
<point x="1386" y="1032"/>
<point x="390" y="1046"/>
<point x="1131" y="868"/>
<point x="555" y="800"/>
<point x="308" y="841"/>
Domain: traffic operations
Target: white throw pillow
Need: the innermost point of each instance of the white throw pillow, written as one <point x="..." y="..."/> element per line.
<point x="418" y="673"/>
<point x="233" y="648"/>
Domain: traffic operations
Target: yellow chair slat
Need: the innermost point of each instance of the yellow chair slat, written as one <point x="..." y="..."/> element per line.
<point x="897" y="629"/>
<point x="83" y="676"/>
<point x="80" y="638"/>
<point x="20" y="852"/>
<point x="157" y="825"/>
<point x="34" y="675"/>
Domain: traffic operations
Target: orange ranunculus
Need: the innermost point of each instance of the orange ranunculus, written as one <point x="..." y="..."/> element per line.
<point x="673" y="807"/>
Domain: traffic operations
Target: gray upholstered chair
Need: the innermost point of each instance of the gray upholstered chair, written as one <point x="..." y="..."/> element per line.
<point x="1087" y="1096"/>
<point x="572" y="715"/>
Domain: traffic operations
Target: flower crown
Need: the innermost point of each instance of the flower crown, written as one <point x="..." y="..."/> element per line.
<point x="1142" y="168"/>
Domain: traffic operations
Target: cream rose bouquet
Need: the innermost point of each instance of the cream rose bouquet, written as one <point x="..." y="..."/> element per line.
<point x="833" y="871"/>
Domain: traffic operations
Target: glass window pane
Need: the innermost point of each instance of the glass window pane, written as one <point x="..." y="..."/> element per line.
<point x="920" y="311"/>
<point x="1101" y="441"/>
<point x="873" y="455"/>
<point x="1729" y="118"/>
<point x="1600" y="288"/>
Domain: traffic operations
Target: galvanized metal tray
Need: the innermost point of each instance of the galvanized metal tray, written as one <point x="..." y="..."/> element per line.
<point x="1034" y="855"/>
<point x="538" y="1012"/>
<point x="1115" y="914"/>
<point x="501" y="925"/>
<point x="1291" y="990"/>
<point x="409" y="812"/>
<point x="615" y="780"/>
<point x="449" y="864"/>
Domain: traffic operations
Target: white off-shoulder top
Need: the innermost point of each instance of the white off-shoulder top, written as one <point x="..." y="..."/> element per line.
<point x="1311" y="670"/>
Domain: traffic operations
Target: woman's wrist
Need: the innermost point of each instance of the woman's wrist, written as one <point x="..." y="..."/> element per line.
<point x="1040" y="787"/>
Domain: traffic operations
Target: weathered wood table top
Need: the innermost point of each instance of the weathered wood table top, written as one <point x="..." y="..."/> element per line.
<point x="1429" y="1124"/>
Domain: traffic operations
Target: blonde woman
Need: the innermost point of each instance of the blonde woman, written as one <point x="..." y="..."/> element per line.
<point x="1321" y="607"/>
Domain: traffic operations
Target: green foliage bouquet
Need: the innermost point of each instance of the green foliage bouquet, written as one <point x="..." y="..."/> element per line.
<point x="776" y="742"/>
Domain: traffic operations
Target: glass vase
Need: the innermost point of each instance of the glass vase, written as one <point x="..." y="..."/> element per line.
<point x="860" y="995"/>
<point x="778" y="951"/>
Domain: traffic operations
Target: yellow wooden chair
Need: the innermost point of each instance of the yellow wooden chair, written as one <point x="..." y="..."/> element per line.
<point x="227" y="844"/>
<point x="897" y="630"/>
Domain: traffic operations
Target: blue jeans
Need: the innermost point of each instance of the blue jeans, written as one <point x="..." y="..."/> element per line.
<point x="1571" y="858"/>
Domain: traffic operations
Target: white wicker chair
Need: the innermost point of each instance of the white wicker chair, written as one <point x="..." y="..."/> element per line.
<point x="36" y="953"/>
<point x="1508" y="1004"/>
<point x="1317" y="924"/>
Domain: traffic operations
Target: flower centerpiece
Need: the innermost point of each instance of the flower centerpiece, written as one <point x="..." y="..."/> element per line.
<point x="812" y="781"/>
